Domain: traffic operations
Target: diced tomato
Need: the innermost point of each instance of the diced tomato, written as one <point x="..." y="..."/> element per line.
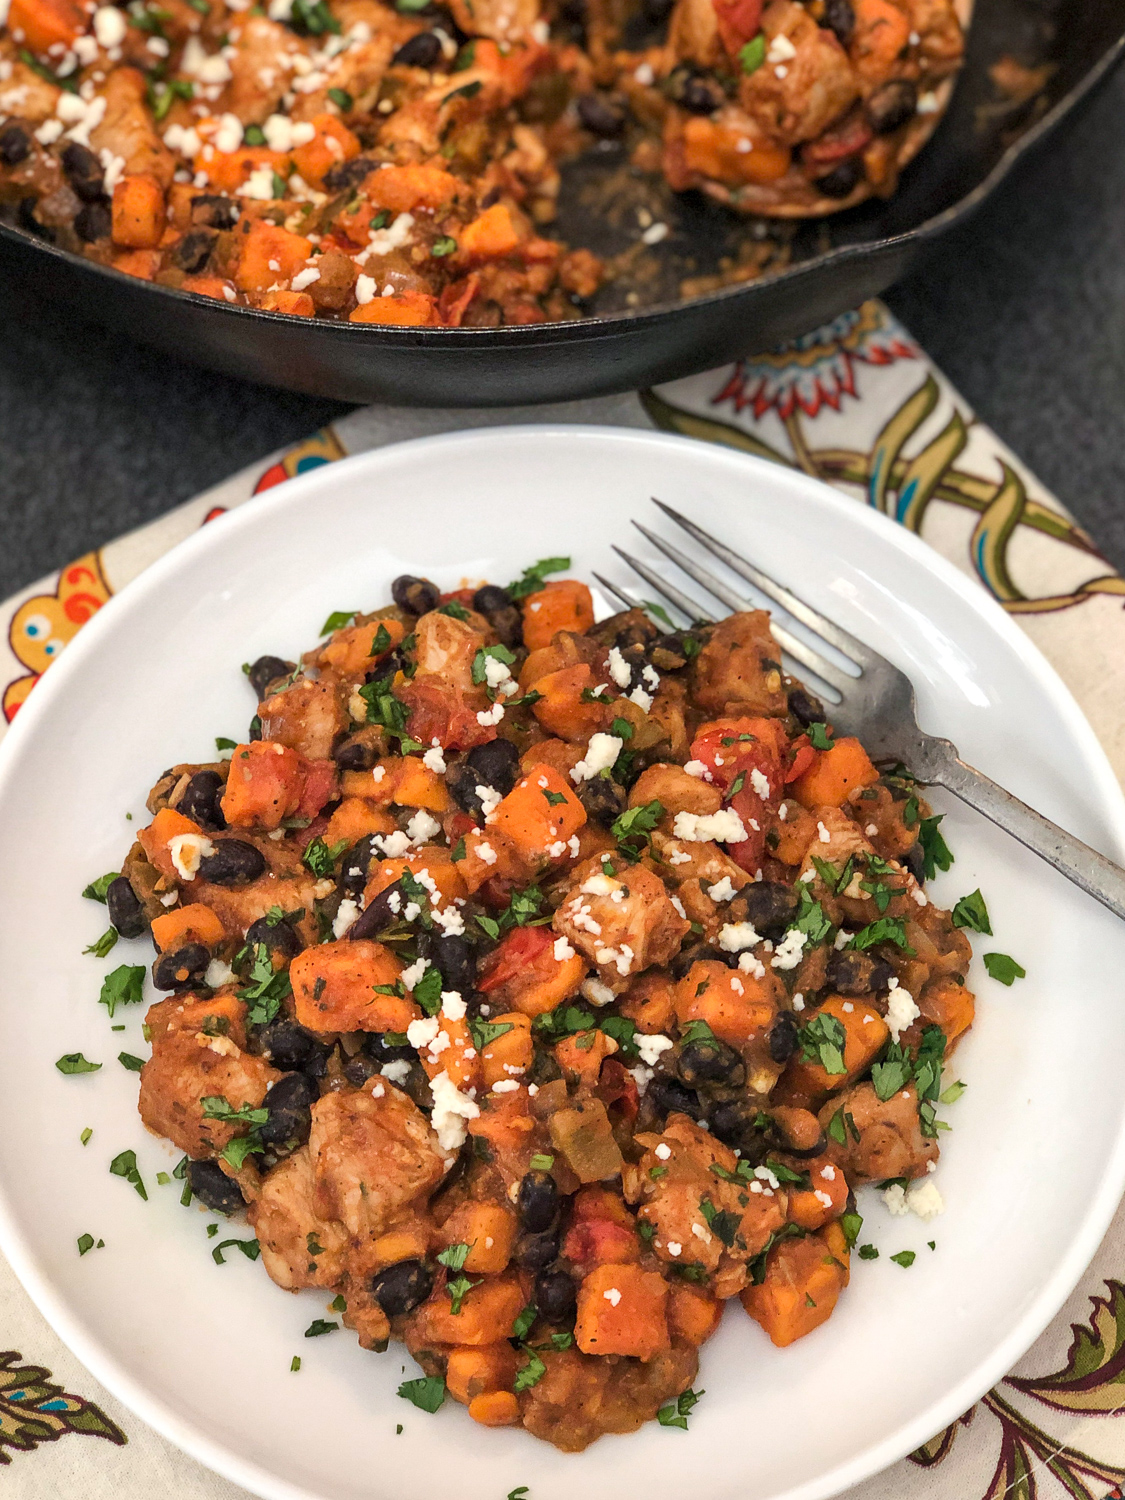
<point x="834" y="145"/>
<point x="752" y="810"/>
<point x="321" y="785"/>
<point x="438" y="711"/>
<point x="803" y="755"/>
<point x="730" y="747"/>
<point x="616" y="1085"/>
<point x="520" y="950"/>
<point x="600" y="1242"/>
<point x="738" y="21"/>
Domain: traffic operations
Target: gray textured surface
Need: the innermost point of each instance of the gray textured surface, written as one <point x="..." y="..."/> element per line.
<point x="1024" y="309"/>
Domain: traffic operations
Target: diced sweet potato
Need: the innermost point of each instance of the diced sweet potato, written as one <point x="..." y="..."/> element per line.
<point x="510" y="1054"/>
<point x="268" y="254"/>
<point x="187" y="924"/>
<point x="581" y="1056"/>
<point x="490" y="236"/>
<point x="737" y="1007"/>
<point x="352" y="651"/>
<point x="495" y="1409"/>
<point x="432" y="864"/>
<point x="403" y="189"/>
<point x="843" y="769"/>
<point x="334" y="988"/>
<point x="417" y="786"/>
<point x="46" y="23"/>
<point x="296" y="304"/>
<point x="540" y="814"/>
<point x="563" y="605"/>
<point x="486" y="1317"/>
<point x="407" y="310"/>
<point x="138" y="212"/>
<point x="943" y="1002"/>
<point x="264" y="786"/>
<point x="453" y="1053"/>
<point x="563" y="710"/>
<point x="525" y="975"/>
<point x="715" y="150"/>
<point x="622" y="1310"/>
<point x="474" y="1372"/>
<point x="807" y="1082"/>
<point x="824" y="1199"/>
<point x="804" y="1279"/>
<point x="650" y="1002"/>
<point x="489" y="1230"/>
<point x="693" y="1314"/>
<point x="332" y="144"/>
<point x="156" y="839"/>
<point x="217" y="1015"/>
<point x="355" y="818"/>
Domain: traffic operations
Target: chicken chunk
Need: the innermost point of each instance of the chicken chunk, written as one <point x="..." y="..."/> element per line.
<point x="126" y="128"/>
<point x="373" y="1155"/>
<point x="306" y="716"/>
<point x="890" y="1141"/>
<point x="265" y="59"/>
<point x="299" y="1248"/>
<point x="624" y="923"/>
<point x="737" y="671"/>
<point x="188" y="1066"/>
<point x="446" y="648"/>
<point x="700" y="1217"/>
<point x="796" y="99"/>
<point x="27" y="95"/>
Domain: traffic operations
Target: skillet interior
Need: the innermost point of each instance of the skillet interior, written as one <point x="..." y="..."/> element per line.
<point x="641" y="331"/>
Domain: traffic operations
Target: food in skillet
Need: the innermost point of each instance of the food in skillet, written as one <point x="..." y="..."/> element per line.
<point x="539" y="986"/>
<point x="353" y="160"/>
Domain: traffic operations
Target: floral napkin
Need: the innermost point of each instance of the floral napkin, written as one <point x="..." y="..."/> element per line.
<point x="857" y="404"/>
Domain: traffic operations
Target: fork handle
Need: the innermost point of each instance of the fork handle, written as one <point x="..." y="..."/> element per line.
<point x="1093" y="872"/>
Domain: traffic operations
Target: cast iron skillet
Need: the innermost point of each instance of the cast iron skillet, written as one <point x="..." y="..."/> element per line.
<point x="835" y="263"/>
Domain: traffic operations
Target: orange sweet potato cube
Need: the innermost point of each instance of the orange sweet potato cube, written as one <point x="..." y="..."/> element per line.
<point x="622" y="1310"/>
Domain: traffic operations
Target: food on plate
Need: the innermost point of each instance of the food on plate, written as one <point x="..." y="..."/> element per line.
<point x="400" y="164"/>
<point x="538" y="985"/>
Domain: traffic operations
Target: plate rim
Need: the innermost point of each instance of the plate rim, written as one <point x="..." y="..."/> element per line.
<point x="1107" y="797"/>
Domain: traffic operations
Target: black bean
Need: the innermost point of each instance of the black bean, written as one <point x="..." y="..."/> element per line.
<point x="355" y="869"/>
<point x="218" y="213"/>
<point x="739" y="1124"/>
<point x="704" y="1062"/>
<point x="805" y="708"/>
<point x="125" y="911"/>
<point x="93" y="222"/>
<point x="421" y="51"/>
<point x="767" y="904"/>
<point x="376" y="1045"/>
<point x="214" y="1189"/>
<point x="496" y="764"/>
<point x="289" y="1102"/>
<point x="401" y="1287"/>
<point x="278" y="937"/>
<point x="194" y="250"/>
<point x="384" y="911"/>
<point x="83" y="171"/>
<point x="349" y="174"/>
<point x="603" y="798"/>
<point x="669" y="1096"/>
<point x="538" y="1201"/>
<point x="288" y="1045"/>
<point x="657" y="11"/>
<point x="600" y="117"/>
<point x="534" y="1252"/>
<point x="840" y="18"/>
<point x="698" y="97"/>
<point x="783" y="1037"/>
<point x="453" y="957"/>
<point x="891" y="105"/>
<point x="495" y="605"/>
<point x="181" y="968"/>
<point x="233" y="863"/>
<point x="356" y="755"/>
<point x="914" y="860"/>
<point x="358" y="1069"/>
<point x="25" y="215"/>
<point x="555" y="1295"/>
<point x="201" y="800"/>
<point x="843" y="179"/>
<point x="268" y="669"/>
<point x="416" y="595"/>
<point x="15" y="144"/>
<point x="854" y="973"/>
<point x="702" y="953"/>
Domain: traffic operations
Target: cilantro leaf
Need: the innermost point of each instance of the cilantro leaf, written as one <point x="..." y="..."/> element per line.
<point x="320" y="1326"/>
<point x="337" y="620"/>
<point x="427" y="992"/>
<point x="124" y="1164"/>
<point x="123" y="986"/>
<point x="320" y="858"/>
<point x="454" y="1256"/>
<point x="426" y="1393"/>
<point x="250" y="1248"/>
<point x="676" y="1413"/>
<point x="127" y="1060"/>
<point x="531" y="1373"/>
<point x="936" y="854"/>
<point x="904" y="1258"/>
<point x="522" y="1325"/>
<point x="484" y="1032"/>
<point x="266" y="990"/>
<point x="883" y="930"/>
<point x="892" y="1074"/>
<point x="819" y="737"/>
<point x="96" y="890"/>
<point x="104" y="944"/>
<point x="822" y="1041"/>
<point x="633" y="829"/>
<point x="73" y="1062"/>
<point x="1002" y="967"/>
<point x="971" y="912"/>
<point x="534" y="577"/>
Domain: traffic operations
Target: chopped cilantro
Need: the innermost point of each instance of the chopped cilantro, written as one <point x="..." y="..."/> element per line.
<point x="96" y="890"/>
<point x="522" y="1325"/>
<point x="936" y="854"/>
<point x="484" y="1032"/>
<point x="819" y="737"/>
<point x="342" y="99"/>
<point x="87" y="1132"/>
<point x="481" y="659"/>
<point x="428" y="1392"/>
<point x="103" y="945"/>
<point x="952" y="1093"/>
<point x="320" y="858"/>
<point x="427" y="992"/>
<point x="250" y="1248"/>
<point x="222" y="743"/>
<point x="295" y="1364"/>
<point x="127" y="1060"/>
<point x="883" y="930"/>
<point x="534" y="577"/>
<point x="1003" y="968"/>
<point x="676" y="1413"/>
<point x="215" y="1107"/>
<point x="971" y="912"/>
<point x="85" y="1242"/>
<point x="443" y="246"/>
<point x="868" y="1252"/>
<point x="623" y="729"/>
<point x="541" y="1162"/>
<point x="123" y="986"/>
<point x="73" y="1062"/>
<point x="851" y="1224"/>
<point x="753" y="54"/>
<point x="531" y="1373"/>
<point x="337" y="620"/>
<point x="455" y="609"/>
<point x="454" y="1256"/>
<point x="124" y="1164"/>
<point x="822" y="1041"/>
<point x="904" y="1258"/>
<point x="633" y="829"/>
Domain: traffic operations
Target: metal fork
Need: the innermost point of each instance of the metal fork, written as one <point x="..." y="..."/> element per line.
<point x="876" y="704"/>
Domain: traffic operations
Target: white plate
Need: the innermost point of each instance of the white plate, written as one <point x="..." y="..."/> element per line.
<point x="1030" y="1173"/>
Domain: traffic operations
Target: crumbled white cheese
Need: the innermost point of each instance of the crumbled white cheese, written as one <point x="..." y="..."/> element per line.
<point x="924" y="1200"/>
<point x="895" y="1199"/>
<point x="505" y="1086"/>
<point x="599" y="884"/>
<point x="781" y="50"/>
<point x="365" y="289"/>
<point x="259" y="184"/>
<point x="760" y="783"/>
<point x="620" y="958"/>
<point x="383" y="241"/>
<point x="346" y="914"/>
<point x="612" y="1296"/>
<point x="697" y="769"/>
<point x="186" y="850"/>
<point x="109" y="26"/>
<point x="489" y="799"/>
<point x="928" y="103"/>
<point x="452" y="1006"/>
<point x="484" y="851"/>
<point x="451" y="1109"/>
<point x="789" y="950"/>
<point x="422" y="827"/>
<point x="217" y="974"/>
<point x="735" y="936"/>
<point x="618" y="667"/>
<point x="650" y="1047"/>
<point x="663" y="1151"/>
<point x="422" y="1032"/>
<point x="655" y="233"/>
<point x="413" y="975"/>
<point x="724" y="827"/>
<point x="433" y="760"/>
<point x="901" y="1010"/>
<point x="675" y="1248"/>
<point x="601" y="754"/>
<point x="748" y="964"/>
<point x="642" y="699"/>
<point x="597" y="993"/>
<point x="489" y="717"/>
<point x="722" y="890"/>
<point x="822" y="834"/>
<point x="283" y="134"/>
<point x="449" y="919"/>
<point x="207" y="67"/>
<point x="562" y="950"/>
<point x="397" y="1071"/>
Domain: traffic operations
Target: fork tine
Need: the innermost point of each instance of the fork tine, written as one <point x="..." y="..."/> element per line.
<point x="836" y="635"/>
<point x="797" y="649"/>
<point x="623" y="598"/>
<point x="669" y="591"/>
